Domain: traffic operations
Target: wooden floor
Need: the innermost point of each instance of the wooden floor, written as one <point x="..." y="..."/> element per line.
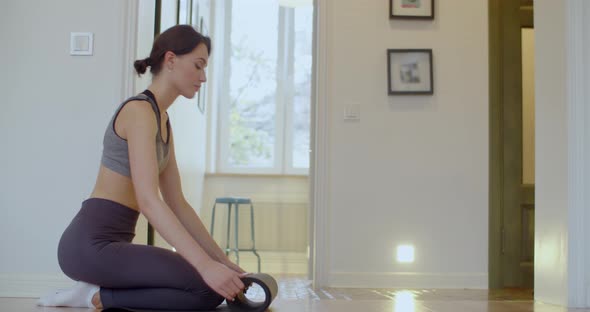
<point x="296" y="295"/>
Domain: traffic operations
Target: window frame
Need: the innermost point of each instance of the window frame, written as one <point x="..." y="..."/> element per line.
<point x="284" y="103"/>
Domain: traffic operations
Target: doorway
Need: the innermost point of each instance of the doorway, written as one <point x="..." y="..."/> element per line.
<point x="512" y="205"/>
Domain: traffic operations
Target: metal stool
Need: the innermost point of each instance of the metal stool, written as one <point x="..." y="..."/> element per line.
<point x="236" y="202"/>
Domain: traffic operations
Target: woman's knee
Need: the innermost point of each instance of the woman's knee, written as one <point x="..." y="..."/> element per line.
<point x="212" y="300"/>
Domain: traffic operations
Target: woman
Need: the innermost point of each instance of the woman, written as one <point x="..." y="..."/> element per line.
<point x="138" y="161"/>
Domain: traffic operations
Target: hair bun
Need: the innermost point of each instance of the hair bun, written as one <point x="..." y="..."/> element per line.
<point x="141" y="66"/>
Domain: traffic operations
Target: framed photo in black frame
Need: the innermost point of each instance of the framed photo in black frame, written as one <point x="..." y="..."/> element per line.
<point x="409" y="72"/>
<point x="411" y="9"/>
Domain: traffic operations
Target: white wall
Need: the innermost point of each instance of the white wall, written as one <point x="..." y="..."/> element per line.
<point x="562" y="248"/>
<point x="551" y="185"/>
<point x="414" y="169"/>
<point x="55" y="109"/>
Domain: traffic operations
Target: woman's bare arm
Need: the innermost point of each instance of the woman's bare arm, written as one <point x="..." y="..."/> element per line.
<point x="171" y="189"/>
<point x="140" y="131"/>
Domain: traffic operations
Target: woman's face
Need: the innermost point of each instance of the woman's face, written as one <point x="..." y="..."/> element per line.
<point x="188" y="72"/>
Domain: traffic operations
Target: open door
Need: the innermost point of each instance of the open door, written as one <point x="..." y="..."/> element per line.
<point x="511" y="252"/>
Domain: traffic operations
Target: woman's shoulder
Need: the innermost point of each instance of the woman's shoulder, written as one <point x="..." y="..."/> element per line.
<point x="138" y="110"/>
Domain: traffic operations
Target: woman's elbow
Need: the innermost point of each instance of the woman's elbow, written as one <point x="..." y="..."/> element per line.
<point x="148" y="203"/>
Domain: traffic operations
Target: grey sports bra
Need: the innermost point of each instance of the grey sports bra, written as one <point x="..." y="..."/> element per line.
<point x="115" y="153"/>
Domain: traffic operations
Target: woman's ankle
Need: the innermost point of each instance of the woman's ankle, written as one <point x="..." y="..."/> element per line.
<point x="96" y="300"/>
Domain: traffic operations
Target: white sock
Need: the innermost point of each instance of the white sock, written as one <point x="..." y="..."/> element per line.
<point x="78" y="296"/>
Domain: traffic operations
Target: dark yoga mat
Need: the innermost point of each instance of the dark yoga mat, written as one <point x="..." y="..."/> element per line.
<point x="241" y="304"/>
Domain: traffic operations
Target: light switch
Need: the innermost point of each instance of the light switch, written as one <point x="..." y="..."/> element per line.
<point x="352" y="112"/>
<point x="81" y="43"/>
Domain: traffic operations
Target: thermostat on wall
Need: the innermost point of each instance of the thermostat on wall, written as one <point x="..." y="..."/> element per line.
<point x="81" y="43"/>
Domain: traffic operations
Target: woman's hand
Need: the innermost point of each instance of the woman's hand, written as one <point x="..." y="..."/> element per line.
<point x="232" y="265"/>
<point x="236" y="268"/>
<point x="221" y="279"/>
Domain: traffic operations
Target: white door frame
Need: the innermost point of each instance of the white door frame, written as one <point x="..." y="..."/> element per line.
<point x="129" y="24"/>
<point x="318" y="173"/>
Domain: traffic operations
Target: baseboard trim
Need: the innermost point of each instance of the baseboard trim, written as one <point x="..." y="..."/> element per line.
<point x="409" y="280"/>
<point x="274" y="262"/>
<point x="31" y="285"/>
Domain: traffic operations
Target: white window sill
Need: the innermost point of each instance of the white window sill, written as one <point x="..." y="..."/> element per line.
<point x="254" y="175"/>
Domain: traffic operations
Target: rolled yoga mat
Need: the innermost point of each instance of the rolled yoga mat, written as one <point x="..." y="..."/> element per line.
<point x="241" y="304"/>
<point x="267" y="283"/>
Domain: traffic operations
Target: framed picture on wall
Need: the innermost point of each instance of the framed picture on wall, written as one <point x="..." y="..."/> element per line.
<point x="409" y="72"/>
<point x="414" y="9"/>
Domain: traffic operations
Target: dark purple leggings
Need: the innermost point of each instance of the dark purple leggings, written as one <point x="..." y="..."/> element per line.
<point x="96" y="248"/>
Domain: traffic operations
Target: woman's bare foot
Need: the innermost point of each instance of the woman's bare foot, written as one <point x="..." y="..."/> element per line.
<point x="96" y="300"/>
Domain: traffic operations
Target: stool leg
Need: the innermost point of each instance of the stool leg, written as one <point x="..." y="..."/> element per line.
<point x="252" y="233"/>
<point x="236" y="234"/>
<point x="212" y="219"/>
<point x="228" y="227"/>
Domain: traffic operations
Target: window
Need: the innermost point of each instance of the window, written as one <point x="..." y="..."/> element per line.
<point x="264" y="100"/>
